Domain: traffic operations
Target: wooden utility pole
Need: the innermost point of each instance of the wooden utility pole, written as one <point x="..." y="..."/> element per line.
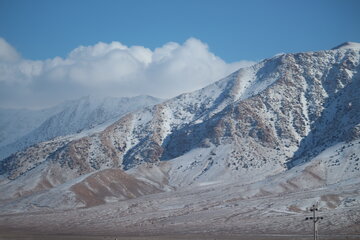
<point x="315" y="219"/>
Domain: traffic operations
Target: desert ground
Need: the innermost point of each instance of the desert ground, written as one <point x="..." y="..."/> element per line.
<point x="31" y="236"/>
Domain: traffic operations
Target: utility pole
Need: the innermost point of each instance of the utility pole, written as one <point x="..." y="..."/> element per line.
<point x="315" y="220"/>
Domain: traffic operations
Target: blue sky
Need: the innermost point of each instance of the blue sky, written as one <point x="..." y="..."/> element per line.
<point x="182" y="45"/>
<point x="233" y="29"/>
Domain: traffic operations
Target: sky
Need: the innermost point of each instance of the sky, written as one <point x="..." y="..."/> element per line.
<point x="51" y="51"/>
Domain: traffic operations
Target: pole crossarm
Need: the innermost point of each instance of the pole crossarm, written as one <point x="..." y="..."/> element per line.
<point x="315" y="219"/>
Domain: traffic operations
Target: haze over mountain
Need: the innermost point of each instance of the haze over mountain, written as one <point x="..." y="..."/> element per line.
<point x="268" y="140"/>
<point x="15" y="123"/>
<point x="21" y="128"/>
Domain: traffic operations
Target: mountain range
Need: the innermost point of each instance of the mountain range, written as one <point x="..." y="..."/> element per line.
<point x="242" y="155"/>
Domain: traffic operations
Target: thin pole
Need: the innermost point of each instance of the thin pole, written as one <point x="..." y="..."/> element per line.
<point x="315" y="219"/>
<point x="313" y="209"/>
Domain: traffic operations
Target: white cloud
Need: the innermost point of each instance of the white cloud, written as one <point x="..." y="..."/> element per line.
<point x="7" y="52"/>
<point x="109" y="69"/>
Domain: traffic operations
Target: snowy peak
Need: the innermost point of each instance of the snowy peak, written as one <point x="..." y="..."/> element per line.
<point x="348" y="45"/>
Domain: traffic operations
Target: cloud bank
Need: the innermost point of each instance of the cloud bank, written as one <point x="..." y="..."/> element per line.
<point x="109" y="69"/>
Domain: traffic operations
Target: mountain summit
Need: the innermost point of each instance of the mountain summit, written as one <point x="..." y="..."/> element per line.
<point x="348" y="45"/>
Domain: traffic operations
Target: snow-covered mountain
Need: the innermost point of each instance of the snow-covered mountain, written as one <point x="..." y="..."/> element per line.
<point x="283" y="127"/>
<point x="23" y="128"/>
